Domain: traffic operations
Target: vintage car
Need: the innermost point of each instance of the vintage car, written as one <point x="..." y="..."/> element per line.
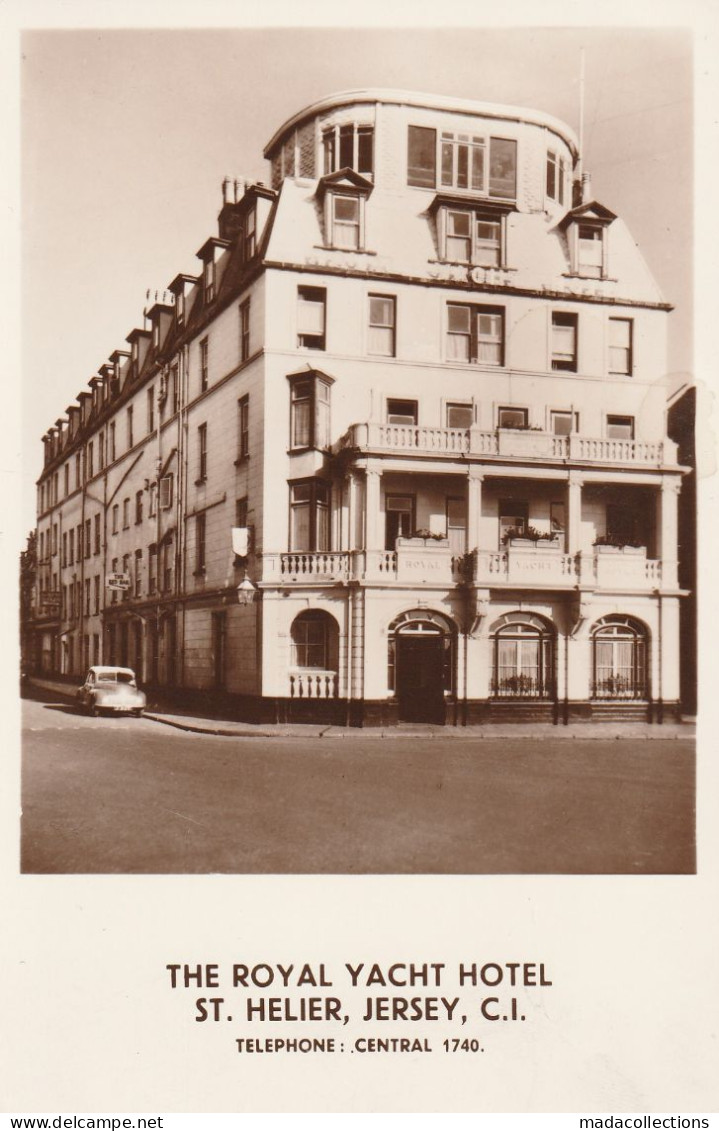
<point x="111" y="689"/>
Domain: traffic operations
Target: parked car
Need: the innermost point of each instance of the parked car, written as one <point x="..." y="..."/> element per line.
<point x="111" y="689"/>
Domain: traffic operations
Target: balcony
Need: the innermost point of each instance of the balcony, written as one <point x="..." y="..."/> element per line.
<point x="416" y="563"/>
<point x="505" y="443"/>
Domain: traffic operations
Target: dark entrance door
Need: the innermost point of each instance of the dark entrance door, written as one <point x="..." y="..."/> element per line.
<point x="420" y="677"/>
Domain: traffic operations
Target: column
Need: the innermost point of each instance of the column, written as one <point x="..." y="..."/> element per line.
<point x="574" y="512"/>
<point x="474" y="506"/>
<point x="667" y="521"/>
<point x="373" y="539"/>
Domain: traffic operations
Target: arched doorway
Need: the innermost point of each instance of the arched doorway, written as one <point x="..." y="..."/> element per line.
<point x="619" y="659"/>
<point x="523" y="658"/>
<point x="421" y="665"/>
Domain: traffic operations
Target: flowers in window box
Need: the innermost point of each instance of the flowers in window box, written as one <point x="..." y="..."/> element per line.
<point x="616" y="542"/>
<point x="428" y="534"/>
<point x="529" y="534"/>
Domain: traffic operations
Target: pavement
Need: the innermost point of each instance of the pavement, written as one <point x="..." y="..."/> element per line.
<point x="190" y="721"/>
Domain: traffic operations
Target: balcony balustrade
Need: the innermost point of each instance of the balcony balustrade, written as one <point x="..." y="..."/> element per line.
<point x="312" y="684"/>
<point x="386" y="439"/>
<point x="416" y="562"/>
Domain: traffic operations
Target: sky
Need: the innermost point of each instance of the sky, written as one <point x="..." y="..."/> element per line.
<point x="127" y="136"/>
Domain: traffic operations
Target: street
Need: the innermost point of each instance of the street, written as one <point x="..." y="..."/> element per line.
<point x="125" y="795"/>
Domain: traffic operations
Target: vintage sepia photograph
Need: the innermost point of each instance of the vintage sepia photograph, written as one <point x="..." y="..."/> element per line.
<point x="359" y="461"/>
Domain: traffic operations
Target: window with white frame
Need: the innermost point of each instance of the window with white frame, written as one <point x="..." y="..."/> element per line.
<point x="382" y="325"/>
<point x="309" y="515"/>
<point x="467" y="162"/>
<point x="345" y="220"/>
<point x="244" y="310"/>
<point x="311" y="640"/>
<point x="348" y="147"/>
<point x="309" y="411"/>
<point x="590" y="250"/>
<point x="471" y="237"/>
<point x="620" y="346"/>
<point x="204" y="364"/>
<point x="475" y="333"/>
<point x="563" y="422"/>
<point x="511" y="417"/>
<point x="311" y="317"/>
<point x="556" y="174"/>
<point x="243" y="420"/>
<point x="249" y="235"/>
<point x="202" y="453"/>
<point x="564" y="341"/>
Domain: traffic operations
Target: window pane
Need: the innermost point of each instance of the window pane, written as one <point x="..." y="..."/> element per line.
<point x="458" y="223"/>
<point x="300" y="532"/>
<point x="458" y="319"/>
<point x="311" y="315"/>
<point x="347" y="208"/>
<point x="381" y="311"/>
<point x="381" y="341"/>
<point x="346" y="147"/>
<point x="459" y="416"/>
<point x="478" y="168"/>
<point x="503" y="168"/>
<point x="364" y="151"/>
<point x="421" y="156"/>
<point x="447" y="162"/>
<point x="301" y="424"/>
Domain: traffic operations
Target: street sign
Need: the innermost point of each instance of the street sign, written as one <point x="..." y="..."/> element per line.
<point x="118" y="581"/>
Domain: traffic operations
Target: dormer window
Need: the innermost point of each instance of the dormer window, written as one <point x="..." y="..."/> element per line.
<point x="590" y="251"/>
<point x="344" y="195"/>
<point x="463" y="161"/>
<point x="249" y="235"/>
<point x="471" y="237"/>
<point x="156" y="335"/>
<point x="588" y="238"/>
<point x="208" y="280"/>
<point x="180" y="307"/>
<point x="348" y="147"/>
<point x="345" y="221"/>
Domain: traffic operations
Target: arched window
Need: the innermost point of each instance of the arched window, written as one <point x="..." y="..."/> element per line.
<point x="619" y="649"/>
<point x="314" y="641"/>
<point x="523" y="658"/>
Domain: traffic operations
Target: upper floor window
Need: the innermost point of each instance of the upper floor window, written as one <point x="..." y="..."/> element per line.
<point x="67" y="479"/>
<point x="459" y="415"/>
<point x="475" y="333"/>
<point x="245" y="330"/>
<point x="90" y="460"/>
<point x="556" y="173"/>
<point x="151" y="409"/>
<point x="564" y="341"/>
<point x="249" y="235"/>
<point x="244" y="426"/>
<point x="564" y="423"/>
<point x="208" y="280"/>
<point x="309" y="515"/>
<point x="175" y="388"/>
<point x="125" y="514"/>
<point x="470" y="237"/>
<point x="78" y="464"/>
<point x="112" y="441"/>
<point x="130" y="439"/>
<point x="309" y="411"/>
<point x="620" y="346"/>
<point x="200" y="541"/>
<point x="101" y="450"/>
<point x="202" y="453"/>
<point x="467" y="162"/>
<point x="382" y="325"/>
<point x="346" y="221"/>
<point x="590" y="251"/>
<point x="138" y="506"/>
<point x="204" y="364"/>
<point x="620" y="427"/>
<point x="348" y="147"/>
<point x="513" y="418"/>
<point x="115" y="517"/>
<point x="401" y="411"/>
<point x="311" y="317"/>
<point x="97" y="534"/>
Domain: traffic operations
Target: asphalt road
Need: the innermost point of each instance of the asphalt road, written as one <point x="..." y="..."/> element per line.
<point x="133" y="796"/>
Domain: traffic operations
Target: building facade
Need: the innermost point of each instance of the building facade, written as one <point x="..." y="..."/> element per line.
<point x="397" y="451"/>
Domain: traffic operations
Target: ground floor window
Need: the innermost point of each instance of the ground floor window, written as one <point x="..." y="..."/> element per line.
<point x="523" y="660"/>
<point x="314" y="640"/>
<point x="619" y="647"/>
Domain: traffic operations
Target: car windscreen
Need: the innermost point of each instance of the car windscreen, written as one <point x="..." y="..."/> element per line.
<point x="115" y="677"/>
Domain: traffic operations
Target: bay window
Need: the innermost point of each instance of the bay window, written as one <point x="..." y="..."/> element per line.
<point x="310" y="410"/>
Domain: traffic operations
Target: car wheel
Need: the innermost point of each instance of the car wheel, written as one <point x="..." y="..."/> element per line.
<point x="94" y="710"/>
<point x="138" y="713"/>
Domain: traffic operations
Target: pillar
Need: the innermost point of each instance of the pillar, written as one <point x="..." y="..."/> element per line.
<point x="474" y="507"/>
<point x="574" y="513"/>
<point x="667" y="522"/>
<point x="373" y="540"/>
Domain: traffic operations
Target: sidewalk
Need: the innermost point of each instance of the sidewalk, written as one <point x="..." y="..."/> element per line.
<point x="232" y="728"/>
